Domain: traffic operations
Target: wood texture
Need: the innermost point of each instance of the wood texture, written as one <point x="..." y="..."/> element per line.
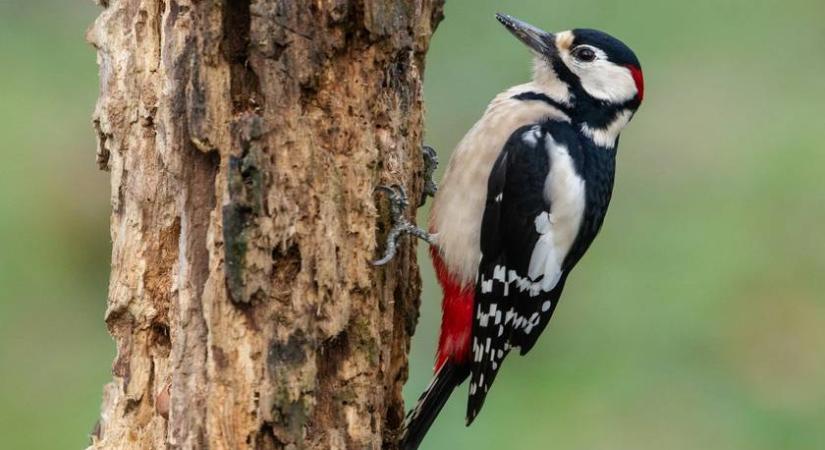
<point x="245" y="139"/>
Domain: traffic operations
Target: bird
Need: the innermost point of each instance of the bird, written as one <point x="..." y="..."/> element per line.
<point x="523" y="196"/>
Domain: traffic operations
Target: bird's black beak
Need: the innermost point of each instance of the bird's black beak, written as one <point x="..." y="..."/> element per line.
<point x="538" y="40"/>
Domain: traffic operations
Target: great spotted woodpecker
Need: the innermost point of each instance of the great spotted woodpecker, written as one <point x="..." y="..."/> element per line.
<point x="523" y="197"/>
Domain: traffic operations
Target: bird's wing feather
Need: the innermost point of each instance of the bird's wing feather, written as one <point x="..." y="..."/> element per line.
<point x="574" y="222"/>
<point x="520" y="274"/>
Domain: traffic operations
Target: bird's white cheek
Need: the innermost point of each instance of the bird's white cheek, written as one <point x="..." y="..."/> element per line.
<point x="607" y="81"/>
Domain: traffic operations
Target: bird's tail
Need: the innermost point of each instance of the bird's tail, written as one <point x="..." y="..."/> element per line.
<point x="422" y="416"/>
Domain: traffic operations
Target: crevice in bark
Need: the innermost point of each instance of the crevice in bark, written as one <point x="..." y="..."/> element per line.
<point x="122" y="324"/>
<point x="286" y="265"/>
<point x="200" y="202"/>
<point x="158" y="277"/>
<point x="159" y="26"/>
<point x="102" y="155"/>
<point x="264" y="438"/>
<point x="160" y="337"/>
<point x="244" y="82"/>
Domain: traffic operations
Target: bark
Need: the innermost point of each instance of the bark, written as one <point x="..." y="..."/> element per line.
<point x="245" y="139"/>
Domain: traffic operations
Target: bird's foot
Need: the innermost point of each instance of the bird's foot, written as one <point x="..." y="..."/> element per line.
<point x="430" y="164"/>
<point x="400" y="224"/>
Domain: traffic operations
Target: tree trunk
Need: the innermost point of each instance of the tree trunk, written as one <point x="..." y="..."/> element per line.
<point x="245" y="140"/>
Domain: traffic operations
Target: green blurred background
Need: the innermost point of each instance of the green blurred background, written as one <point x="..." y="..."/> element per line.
<point x="696" y="321"/>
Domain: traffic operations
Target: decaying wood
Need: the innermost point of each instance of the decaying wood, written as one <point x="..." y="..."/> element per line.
<point x="245" y="139"/>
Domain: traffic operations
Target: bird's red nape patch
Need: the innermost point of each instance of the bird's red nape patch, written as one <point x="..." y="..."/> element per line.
<point x="457" y="318"/>
<point x="639" y="79"/>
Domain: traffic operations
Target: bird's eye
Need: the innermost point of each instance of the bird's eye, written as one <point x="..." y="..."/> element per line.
<point x="584" y="54"/>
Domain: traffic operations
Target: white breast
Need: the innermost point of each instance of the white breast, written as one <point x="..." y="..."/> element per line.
<point x="459" y="204"/>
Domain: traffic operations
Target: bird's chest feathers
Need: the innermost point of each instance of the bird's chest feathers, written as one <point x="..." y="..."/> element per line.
<point x="459" y="204"/>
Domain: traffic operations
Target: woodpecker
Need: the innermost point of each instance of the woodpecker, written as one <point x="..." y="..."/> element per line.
<point x="524" y="195"/>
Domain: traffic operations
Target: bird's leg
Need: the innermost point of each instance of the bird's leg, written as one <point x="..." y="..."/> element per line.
<point x="399" y="204"/>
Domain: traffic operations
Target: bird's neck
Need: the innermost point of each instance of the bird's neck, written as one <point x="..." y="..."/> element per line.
<point x="599" y="121"/>
<point x="602" y="125"/>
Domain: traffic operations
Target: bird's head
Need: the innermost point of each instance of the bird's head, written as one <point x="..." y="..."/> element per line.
<point x="591" y="71"/>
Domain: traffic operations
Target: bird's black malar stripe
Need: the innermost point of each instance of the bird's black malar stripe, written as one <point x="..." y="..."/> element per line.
<point x="537" y="96"/>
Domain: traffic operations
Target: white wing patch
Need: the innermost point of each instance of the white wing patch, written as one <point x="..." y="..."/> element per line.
<point x="531" y="136"/>
<point x="558" y="228"/>
<point x="564" y="190"/>
<point x="545" y="263"/>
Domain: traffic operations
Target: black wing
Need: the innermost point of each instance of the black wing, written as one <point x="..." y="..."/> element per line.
<point x="510" y="304"/>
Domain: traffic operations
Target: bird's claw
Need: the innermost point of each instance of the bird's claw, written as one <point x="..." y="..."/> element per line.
<point x="398" y="204"/>
<point x="398" y="201"/>
<point x="430" y="164"/>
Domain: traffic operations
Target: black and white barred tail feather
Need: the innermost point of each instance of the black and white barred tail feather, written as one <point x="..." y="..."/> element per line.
<point x="422" y="416"/>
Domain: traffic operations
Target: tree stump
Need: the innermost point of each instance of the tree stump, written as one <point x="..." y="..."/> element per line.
<point x="245" y="140"/>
